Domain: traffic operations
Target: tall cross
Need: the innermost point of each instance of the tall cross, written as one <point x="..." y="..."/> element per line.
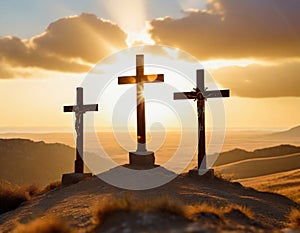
<point x="139" y="80"/>
<point x="200" y="94"/>
<point x="79" y="110"/>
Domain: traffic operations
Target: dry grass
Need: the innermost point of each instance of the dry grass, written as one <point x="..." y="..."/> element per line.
<point x="165" y="204"/>
<point x="220" y="176"/>
<point x="242" y="209"/>
<point x="202" y="212"/>
<point x="294" y="219"/>
<point x="284" y="183"/>
<point x="50" y="225"/>
<point x="108" y="207"/>
<point x="11" y="196"/>
<point x="192" y="211"/>
<point x="290" y="192"/>
<point x="50" y="187"/>
<point x="128" y="204"/>
<point x="162" y="204"/>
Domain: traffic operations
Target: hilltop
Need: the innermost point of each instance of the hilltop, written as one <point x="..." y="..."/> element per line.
<point x="214" y="205"/>
<point x="188" y="203"/>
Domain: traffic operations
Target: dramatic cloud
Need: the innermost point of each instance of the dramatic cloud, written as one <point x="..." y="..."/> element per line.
<point x="235" y="29"/>
<point x="261" y="81"/>
<point x="67" y="45"/>
<point x="5" y="73"/>
<point x="8" y="72"/>
<point x="18" y="53"/>
<point x="86" y="37"/>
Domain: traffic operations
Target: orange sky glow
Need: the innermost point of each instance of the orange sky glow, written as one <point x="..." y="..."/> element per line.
<point x="39" y="75"/>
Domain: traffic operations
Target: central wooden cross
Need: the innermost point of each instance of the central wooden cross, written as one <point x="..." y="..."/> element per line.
<point x="139" y="80"/>
<point x="200" y="94"/>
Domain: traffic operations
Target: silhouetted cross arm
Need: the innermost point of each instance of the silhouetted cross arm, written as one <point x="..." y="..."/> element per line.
<point x="151" y="78"/>
<point x="201" y="94"/>
<point x="139" y="79"/>
<point x="83" y="108"/>
<point x="79" y="110"/>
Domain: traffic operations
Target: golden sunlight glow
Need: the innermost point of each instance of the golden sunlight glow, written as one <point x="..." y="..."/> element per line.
<point x="39" y="107"/>
<point x="152" y="77"/>
<point x="192" y="5"/>
<point x="131" y="16"/>
<point x="217" y="64"/>
<point x="107" y="45"/>
<point x="141" y="37"/>
<point x="140" y="96"/>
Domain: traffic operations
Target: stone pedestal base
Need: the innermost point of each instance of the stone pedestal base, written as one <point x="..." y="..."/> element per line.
<point x="203" y="173"/>
<point x="73" y="178"/>
<point x="142" y="159"/>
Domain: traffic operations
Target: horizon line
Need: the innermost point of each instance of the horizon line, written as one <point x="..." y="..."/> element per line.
<point x="44" y="130"/>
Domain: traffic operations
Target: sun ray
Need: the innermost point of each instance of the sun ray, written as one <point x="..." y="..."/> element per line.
<point x="131" y="16"/>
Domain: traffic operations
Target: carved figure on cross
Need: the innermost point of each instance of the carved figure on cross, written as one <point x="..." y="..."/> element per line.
<point x="201" y="94"/>
<point x="79" y="110"/>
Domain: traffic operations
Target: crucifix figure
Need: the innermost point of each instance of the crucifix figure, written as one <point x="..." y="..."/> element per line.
<point x="200" y="94"/>
<point x="79" y="110"/>
<point x="139" y="80"/>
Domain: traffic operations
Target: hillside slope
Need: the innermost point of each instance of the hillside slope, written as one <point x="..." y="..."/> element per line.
<point x="260" y="166"/>
<point x="293" y="132"/>
<point x="285" y="183"/>
<point x="23" y="161"/>
<point x="239" y="154"/>
<point x="76" y="206"/>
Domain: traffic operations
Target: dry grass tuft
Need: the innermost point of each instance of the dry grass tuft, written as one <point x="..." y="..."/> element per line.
<point x="50" y="187"/>
<point x="294" y="219"/>
<point x="238" y="208"/>
<point x="221" y="176"/>
<point x="162" y="204"/>
<point x="204" y="208"/>
<point x="11" y="196"/>
<point x="109" y="206"/>
<point x="129" y="204"/>
<point x="168" y="205"/>
<point x="50" y="225"/>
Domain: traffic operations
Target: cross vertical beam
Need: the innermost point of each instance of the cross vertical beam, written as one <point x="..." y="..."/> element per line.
<point x="140" y="103"/>
<point x="139" y="80"/>
<point x="201" y="122"/>
<point x="201" y="94"/>
<point x="79" y="110"/>
<point x="79" y="130"/>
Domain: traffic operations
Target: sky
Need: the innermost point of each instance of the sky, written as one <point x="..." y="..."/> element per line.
<point x="250" y="47"/>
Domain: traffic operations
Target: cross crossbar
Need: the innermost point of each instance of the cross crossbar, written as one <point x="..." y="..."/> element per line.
<point x="139" y="80"/>
<point x="201" y="94"/>
<point x="79" y="110"/>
